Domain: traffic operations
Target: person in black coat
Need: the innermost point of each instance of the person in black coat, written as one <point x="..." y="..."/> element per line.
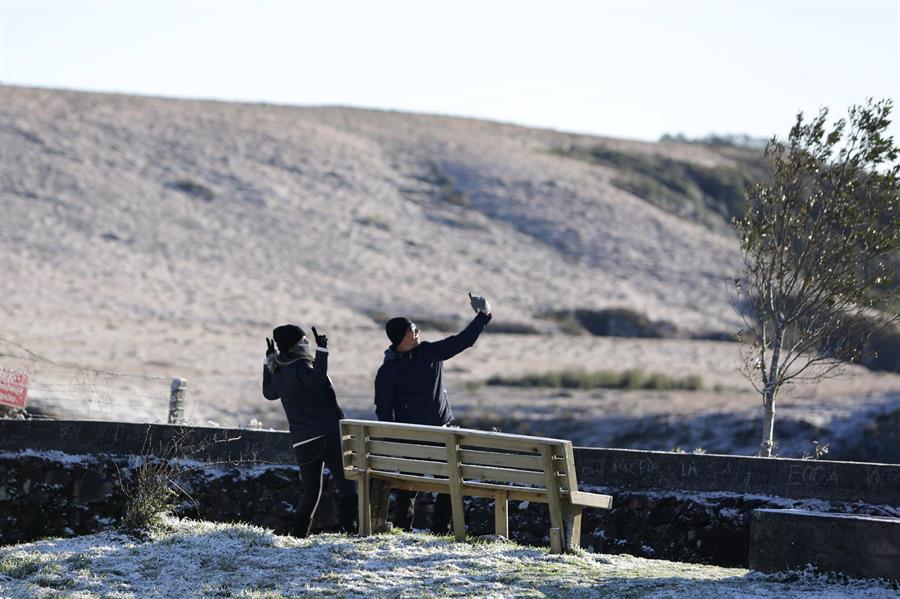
<point x="409" y="388"/>
<point x="302" y="384"/>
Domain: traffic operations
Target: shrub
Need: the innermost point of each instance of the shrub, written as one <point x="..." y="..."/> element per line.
<point x="444" y="188"/>
<point x="658" y="382"/>
<point x="711" y="196"/>
<point x="633" y="379"/>
<point x="630" y="380"/>
<point x="879" y="351"/>
<point x="150" y="495"/>
<point x="512" y="328"/>
<point x="374" y="221"/>
<point x="152" y="490"/>
<point x="545" y="379"/>
<point x="611" y="322"/>
<point x="451" y="194"/>
<point x="198" y="190"/>
<point x="692" y="382"/>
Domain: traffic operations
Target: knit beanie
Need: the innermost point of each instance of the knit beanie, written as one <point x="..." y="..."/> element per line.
<point x="396" y="329"/>
<point x="287" y="336"/>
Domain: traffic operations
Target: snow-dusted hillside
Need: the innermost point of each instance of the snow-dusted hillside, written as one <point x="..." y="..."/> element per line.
<point x="203" y="211"/>
<point x="165" y="238"/>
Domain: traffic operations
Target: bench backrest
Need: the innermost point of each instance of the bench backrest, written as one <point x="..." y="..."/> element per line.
<point x="482" y="461"/>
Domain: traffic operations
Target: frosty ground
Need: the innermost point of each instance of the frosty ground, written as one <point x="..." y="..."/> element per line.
<point x="201" y="559"/>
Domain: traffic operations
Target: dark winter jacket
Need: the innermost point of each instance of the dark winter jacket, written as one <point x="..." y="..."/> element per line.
<point x="409" y="385"/>
<point x="307" y="395"/>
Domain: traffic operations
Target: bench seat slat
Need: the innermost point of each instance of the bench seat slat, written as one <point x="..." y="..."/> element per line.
<point x="523" y="444"/>
<point x="376" y="428"/>
<point x="467" y="437"/>
<point x="468" y="440"/>
<point x="472" y="457"/>
<point x="432" y="485"/>
<point x="407" y="465"/>
<point x="407" y="450"/>
<point x="506" y="475"/>
<point x="397" y="434"/>
<point x="493" y="487"/>
<point x="441" y="483"/>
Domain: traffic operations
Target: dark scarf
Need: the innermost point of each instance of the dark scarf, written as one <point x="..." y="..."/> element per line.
<point x="297" y="353"/>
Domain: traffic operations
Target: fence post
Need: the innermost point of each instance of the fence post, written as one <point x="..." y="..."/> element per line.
<point x="178" y="401"/>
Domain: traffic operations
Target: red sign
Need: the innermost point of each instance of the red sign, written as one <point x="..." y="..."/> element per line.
<point x="13" y="388"/>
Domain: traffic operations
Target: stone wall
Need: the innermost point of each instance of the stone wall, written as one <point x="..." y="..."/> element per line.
<point x="88" y="437"/>
<point x="55" y="494"/>
<point x="796" y="479"/>
<point x="616" y="468"/>
<point x="694" y="508"/>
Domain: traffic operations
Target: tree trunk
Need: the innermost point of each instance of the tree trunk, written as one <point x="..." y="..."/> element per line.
<point x="768" y="432"/>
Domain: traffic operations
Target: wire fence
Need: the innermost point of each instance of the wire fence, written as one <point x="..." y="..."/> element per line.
<point x="63" y="389"/>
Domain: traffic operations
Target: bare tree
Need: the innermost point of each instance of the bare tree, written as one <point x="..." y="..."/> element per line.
<point x="820" y="241"/>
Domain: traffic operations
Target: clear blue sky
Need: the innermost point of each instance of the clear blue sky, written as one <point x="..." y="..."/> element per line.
<point x="627" y="69"/>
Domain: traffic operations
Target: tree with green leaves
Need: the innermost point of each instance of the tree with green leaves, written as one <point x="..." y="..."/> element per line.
<point x="820" y="241"/>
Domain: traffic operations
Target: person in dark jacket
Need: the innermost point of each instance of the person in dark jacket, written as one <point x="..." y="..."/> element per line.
<point x="409" y="388"/>
<point x="312" y="410"/>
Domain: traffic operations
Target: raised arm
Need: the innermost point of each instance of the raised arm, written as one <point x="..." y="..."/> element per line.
<point x="269" y="367"/>
<point x="268" y="388"/>
<point x="449" y="347"/>
<point x="320" y="365"/>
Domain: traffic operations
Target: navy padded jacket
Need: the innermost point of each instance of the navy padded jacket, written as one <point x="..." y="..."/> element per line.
<point x="307" y="395"/>
<point x="409" y="386"/>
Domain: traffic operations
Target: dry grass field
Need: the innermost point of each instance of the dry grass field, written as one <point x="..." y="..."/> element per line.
<point x="144" y="238"/>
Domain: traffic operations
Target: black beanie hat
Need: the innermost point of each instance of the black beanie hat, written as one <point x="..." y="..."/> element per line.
<point x="396" y="329"/>
<point x="287" y="336"/>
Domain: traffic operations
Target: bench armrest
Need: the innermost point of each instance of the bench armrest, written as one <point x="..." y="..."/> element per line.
<point x="596" y="500"/>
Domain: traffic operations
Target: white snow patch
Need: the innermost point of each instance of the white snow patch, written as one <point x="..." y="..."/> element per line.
<point x="713" y="498"/>
<point x="49" y="455"/>
<point x="833" y="515"/>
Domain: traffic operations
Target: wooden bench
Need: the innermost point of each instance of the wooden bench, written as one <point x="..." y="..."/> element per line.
<point x="464" y="462"/>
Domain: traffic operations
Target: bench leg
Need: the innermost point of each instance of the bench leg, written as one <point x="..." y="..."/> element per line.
<point x="456" y="495"/>
<point x="572" y="517"/>
<point x="556" y="540"/>
<point x="501" y="514"/>
<point x="380" y="497"/>
<point x="554" y="502"/>
<point x="459" y="516"/>
<point x="557" y="524"/>
<point x="364" y="506"/>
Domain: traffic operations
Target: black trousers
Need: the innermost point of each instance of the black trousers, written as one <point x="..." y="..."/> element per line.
<point x="312" y="457"/>
<point x="404" y="511"/>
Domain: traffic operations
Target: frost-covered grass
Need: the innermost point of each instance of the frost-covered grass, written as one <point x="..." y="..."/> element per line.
<point x="200" y="559"/>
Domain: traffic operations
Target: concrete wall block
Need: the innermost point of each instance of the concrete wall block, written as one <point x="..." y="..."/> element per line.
<point x="854" y="545"/>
